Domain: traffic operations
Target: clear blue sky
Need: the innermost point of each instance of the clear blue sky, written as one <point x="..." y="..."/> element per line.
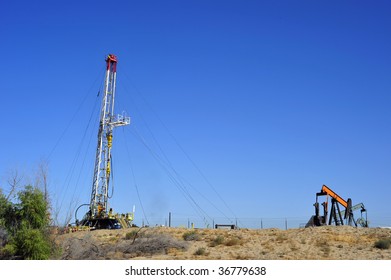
<point x="269" y="99"/>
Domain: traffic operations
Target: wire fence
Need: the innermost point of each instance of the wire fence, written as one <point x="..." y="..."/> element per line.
<point x="196" y="222"/>
<point x="175" y="220"/>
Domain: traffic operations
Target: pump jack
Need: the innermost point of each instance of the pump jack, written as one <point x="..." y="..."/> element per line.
<point x="99" y="215"/>
<point x="362" y="221"/>
<point x="335" y="212"/>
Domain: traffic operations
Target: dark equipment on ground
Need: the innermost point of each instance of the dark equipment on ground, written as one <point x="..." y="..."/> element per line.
<point x="225" y="227"/>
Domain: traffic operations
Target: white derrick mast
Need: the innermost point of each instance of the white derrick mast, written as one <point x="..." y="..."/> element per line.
<point x="108" y="121"/>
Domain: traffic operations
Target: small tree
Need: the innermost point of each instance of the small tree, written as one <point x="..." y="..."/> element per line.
<point x="33" y="208"/>
<point x="26" y="223"/>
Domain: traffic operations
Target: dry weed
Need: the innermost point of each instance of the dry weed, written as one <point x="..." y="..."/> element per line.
<point x="200" y="252"/>
<point x="217" y="241"/>
<point x="233" y="241"/>
<point x="281" y="238"/>
<point x="191" y="236"/>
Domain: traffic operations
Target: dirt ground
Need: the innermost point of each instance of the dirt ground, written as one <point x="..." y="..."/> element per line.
<point x="315" y="243"/>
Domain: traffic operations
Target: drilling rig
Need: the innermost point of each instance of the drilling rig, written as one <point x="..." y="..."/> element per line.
<point x="100" y="216"/>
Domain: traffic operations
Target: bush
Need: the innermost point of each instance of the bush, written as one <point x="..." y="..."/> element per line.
<point x="191" y="236"/>
<point x="217" y="241"/>
<point x="383" y="244"/>
<point x="31" y="244"/>
<point x="3" y="237"/>
<point x="232" y="242"/>
<point x="131" y="235"/>
<point x="200" y="251"/>
<point x="26" y="224"/>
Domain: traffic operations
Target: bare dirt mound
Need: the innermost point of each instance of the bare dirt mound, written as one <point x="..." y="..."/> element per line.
<point x="335" y="243"/>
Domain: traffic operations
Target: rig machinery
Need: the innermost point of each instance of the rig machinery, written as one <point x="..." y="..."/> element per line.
<point x="100" y="216"/>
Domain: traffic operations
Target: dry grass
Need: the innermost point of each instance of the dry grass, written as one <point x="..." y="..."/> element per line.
<point x="191" y="236"/>
<point x="273" y="244"/>
<point x="200" y="251"/>
<point x="217" y="241"/>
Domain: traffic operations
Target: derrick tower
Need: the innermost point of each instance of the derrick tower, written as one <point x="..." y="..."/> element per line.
<point x="108" y="121"/>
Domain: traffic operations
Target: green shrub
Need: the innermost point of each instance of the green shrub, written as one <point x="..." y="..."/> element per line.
<point x="383" y="244"/>
<point x="31" y="244"/>
<point x="26" y="223"/>
<point x="8" y="252"/>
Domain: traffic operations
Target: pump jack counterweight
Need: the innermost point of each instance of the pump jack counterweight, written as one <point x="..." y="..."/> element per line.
<point x="98" y="215"/>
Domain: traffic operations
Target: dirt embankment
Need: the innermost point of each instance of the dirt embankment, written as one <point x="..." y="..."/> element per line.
<point x="329" y="242"/>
